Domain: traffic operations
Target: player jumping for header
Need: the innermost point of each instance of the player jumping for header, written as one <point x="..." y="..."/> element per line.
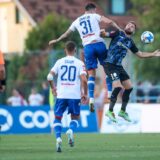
<point x="88" y="26"/>
<point x="121" y="42"/>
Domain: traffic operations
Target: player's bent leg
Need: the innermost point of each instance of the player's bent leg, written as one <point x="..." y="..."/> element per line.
<point x="58" y="130"/>
<point x="125" y="99"/>
<point x="127" y="84"/>
<point x="117" y="88"/>
<point x="102" y="56"/>
<point x="72" y="127"/>
<point x="91" y="86"/>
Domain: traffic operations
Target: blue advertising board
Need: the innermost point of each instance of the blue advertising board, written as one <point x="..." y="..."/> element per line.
<point x="19" y="120"/>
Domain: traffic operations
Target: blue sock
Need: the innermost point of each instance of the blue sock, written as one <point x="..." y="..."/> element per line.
<point x="57" y="128"/>
<point x="73" y="125"/>
<point x="91" y="83"/>
<point x="109" y="83"/>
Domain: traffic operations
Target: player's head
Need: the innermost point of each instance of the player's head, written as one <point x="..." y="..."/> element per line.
<point x="15" y="93"/>
<point x="90" y="7"/>
<point x="70" y="48"/>
<point x="33" y="90"/>
<point x="130" y="28"/>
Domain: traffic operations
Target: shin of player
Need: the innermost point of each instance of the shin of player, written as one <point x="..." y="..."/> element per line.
<point x="70" y="91"/>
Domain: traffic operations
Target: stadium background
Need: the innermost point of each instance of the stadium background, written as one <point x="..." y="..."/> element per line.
<point x="25" y="29"/>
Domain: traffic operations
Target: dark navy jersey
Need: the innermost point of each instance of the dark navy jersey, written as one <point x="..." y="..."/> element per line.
<point x="118" y="47"/>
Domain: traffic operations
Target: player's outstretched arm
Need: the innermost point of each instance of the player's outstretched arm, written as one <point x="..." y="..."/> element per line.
<point x="50" y="81"/>
<point x="109" y="21"/>
<point x="148" y="54"/>
<point x="63" y="36"/>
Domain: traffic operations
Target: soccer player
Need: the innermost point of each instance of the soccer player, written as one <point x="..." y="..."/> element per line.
<point x="71" y="91"/>
<point x="94" y="47"/>
<point x="121" y="42"/>
<point x="2" y="73"/>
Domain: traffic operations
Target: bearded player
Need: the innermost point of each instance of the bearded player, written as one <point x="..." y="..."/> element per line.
<point x="121" y="43"/>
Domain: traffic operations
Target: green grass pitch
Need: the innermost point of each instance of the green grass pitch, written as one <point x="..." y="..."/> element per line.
<point x="87" y="147"/>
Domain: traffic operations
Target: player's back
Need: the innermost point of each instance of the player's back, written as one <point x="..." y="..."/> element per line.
<point x="88" y="28"/>
<point x="68" y="70"/>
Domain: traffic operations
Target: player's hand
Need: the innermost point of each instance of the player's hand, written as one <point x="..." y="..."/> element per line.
<point x="157" y="53"/>
<point x="84" y="99"/>
<point x="54" y="91"/>
<point x="103" y="33"/>
<point x="52" y="41"/>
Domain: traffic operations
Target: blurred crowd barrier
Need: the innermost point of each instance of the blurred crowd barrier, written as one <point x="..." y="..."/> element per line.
<point x="141" y="94"/>
<point x="147" y="94"/>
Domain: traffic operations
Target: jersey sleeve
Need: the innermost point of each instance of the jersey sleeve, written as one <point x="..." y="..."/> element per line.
<point x="133" y="48"/>
<point x="98" y="17"/>
<point x="55" y="67"/>
<point x="82" y="69"/>
<point x="73" y="26"/>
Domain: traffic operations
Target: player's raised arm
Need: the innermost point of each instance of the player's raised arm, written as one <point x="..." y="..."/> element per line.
<point x="110" y="34"/>
<point x="63" y="36"/>
<point x="148" y="54"/>
<point x="111" y="22"/>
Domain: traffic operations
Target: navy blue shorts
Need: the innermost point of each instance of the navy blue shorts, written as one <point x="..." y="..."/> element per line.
<point x="73" y="106"/>
<point x="94" y="52"/>
<point x="116" y="72"/>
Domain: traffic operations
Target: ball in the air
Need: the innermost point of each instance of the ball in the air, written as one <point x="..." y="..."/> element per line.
<point x="147" y="37"/>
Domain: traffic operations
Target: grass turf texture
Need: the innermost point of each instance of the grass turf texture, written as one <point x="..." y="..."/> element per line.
<point x="87" y="147"/>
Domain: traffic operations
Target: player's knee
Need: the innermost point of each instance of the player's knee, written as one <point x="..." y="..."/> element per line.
<point x="126" y="94"/>
<point x="115" y="94"/>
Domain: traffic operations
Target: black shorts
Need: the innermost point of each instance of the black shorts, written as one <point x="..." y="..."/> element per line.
<point x="115" y="72"/>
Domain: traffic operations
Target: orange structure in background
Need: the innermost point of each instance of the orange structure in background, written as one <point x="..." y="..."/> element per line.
<point x="1" y="58"/>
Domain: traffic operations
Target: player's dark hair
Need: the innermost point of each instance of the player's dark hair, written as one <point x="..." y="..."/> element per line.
<point x="70" y="46"/>
<point x="90" y="6"/>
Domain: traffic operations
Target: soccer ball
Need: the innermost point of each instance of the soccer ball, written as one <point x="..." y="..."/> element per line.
<point x="147" y="37"/>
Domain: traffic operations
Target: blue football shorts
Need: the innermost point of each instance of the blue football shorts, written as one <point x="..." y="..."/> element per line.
<point x="61" y="105"/>
<point x="93" y="53"/>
